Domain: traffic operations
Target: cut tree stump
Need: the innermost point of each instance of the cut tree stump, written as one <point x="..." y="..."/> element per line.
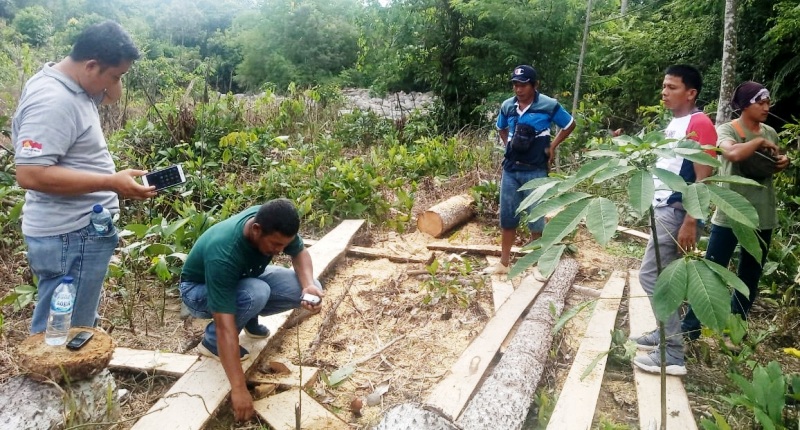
<point x="442" y="217"/>
<point x="28" y="404"/>
<point x="54" y="363"/>
<point x="503" y="400"/>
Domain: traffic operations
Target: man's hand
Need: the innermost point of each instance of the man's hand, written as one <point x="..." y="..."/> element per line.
<point x="315" y="291"/>
<point x="126" y="186"/>
<point x="687" y="235"/>
<point x="782" y="163"/>
<point x="242" y="404"/>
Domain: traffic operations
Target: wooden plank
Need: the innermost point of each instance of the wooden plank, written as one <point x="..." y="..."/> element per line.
<point x="473" y="249"/>
<point x="501" y="286"/>
<point x="292" y="379"/>
<point x="635" y="233"/>
<point x="648" y="385"/>
<point x="278" y="412"/>
<point x="196" y="396"/>
<point x="596" y="341"/>
<point x="160" y="363"/>
<point x="454" y="391"/>
<point x="362" y="251"/>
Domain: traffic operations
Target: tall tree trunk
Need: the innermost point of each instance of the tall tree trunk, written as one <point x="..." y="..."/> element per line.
<point x="623" y="7"/>
<point x="577" y="93"/>
<point x="728" y="63"/>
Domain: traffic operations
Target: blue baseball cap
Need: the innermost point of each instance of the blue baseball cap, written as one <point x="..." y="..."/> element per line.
<point x="524" y="73"/>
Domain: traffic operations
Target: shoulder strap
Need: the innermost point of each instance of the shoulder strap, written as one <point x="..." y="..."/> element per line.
<point x="738" y="127"/>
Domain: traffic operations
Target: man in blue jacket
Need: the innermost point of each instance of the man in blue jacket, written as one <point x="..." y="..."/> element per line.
<point x="524" y="126"/>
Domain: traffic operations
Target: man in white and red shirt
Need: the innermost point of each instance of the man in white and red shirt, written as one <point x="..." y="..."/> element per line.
<point x="676" y="231"/>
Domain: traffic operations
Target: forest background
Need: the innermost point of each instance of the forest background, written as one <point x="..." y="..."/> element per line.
<point x="295" y="57"/>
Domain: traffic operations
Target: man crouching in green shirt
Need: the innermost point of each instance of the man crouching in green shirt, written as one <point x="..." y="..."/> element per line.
<point x="227" y="277"/>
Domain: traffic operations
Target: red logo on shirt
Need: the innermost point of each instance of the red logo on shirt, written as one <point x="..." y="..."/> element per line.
<point x="27" y="143"/>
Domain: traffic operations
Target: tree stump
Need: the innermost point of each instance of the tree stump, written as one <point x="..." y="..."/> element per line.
<point x="445" y="215"/>
<point x="55" y="363"/>
<point x="29" y="404"/>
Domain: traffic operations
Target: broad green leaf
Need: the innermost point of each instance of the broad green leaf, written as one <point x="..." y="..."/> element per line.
<point x="701" y="157"/>
<point x="764" y="419"/>
<point x="602" y="219"/>
<point x="563" y="223"/>
<point x="567" y="185"/>
<point x="732" y="179"/>
<point x="592" y="167"/>
<point x="593" y="363"/>
<point x="138" y="229"/>
<point x="601" y="153"/>
<point x="748" y="238"/>
<point x="696" y="200"/>
<point x="719" y="422"/>
<point x="556" y="203"/>
<point x="708" y="295"/>
<point x="729" y="278"/>
<point x="670" y="289"/>
<point x="569" y="314"/>
<point x="612" y="172"/>
<point x="535" y="195"/>
<point x="340" y="375"/>
<point x="538" y="182"/>
<point x="172" y="228"/>
<point x="640" y="191"/>
<point x="549" y="260"/>
<point x="674" y="181"/>
<point x="737" y="328"/>
<point x="734" y="205"/>
<point x="625" y="140"/>
<point x="528" y="260"/>
<point x="156" y="249"/>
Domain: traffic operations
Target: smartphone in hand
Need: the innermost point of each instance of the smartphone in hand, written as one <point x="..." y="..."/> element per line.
<point x="165" y="178"/>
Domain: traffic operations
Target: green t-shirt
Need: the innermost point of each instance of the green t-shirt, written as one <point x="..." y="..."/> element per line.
<point x="763" y="199"/>
<point x="222" y="256"/>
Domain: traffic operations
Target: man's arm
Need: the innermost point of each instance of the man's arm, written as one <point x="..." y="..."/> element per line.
<point x="304" y="269"/>
<point x="228" y="350"/>
<point x="737" y="152"/>
<point x="69" y="182"/>
<point x="687" y="234"/>
<point x="560" y="137"/>
<point x="503" y="136"/>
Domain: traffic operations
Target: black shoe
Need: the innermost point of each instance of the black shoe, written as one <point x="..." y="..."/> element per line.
<point x="255" y="330"/>
<point x="209" y="350"/>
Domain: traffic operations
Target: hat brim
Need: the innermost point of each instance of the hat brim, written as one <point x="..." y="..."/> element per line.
<point x="523" y="80"/>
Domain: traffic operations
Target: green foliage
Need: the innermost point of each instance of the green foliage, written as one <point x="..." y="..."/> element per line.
<point x="35" y="24"/>
<point x="764" y="395"/>
<point x="451" y="282"/>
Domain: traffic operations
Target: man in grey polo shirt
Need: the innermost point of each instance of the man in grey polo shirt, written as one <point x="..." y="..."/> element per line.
<point x="62" y="159"/>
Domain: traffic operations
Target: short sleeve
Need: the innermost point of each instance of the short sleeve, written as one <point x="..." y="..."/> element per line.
<point x="561" y="117"/>
<point x="702" y="131"/>
<point x="502" y="120"/>
<point x="295" y="247"/>
<point x="43" y="133"/>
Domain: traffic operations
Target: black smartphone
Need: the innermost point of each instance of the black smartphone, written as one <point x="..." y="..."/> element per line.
<point x="79" y="340"/>
<point x="165" y="178"/>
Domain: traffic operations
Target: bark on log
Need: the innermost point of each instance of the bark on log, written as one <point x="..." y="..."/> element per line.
<point x="53" y="363"/>
<point x="409" y="416"/>
<point x="445" y="215"/>
<point x="503" y="400"/>
<point x="29" y="404"/>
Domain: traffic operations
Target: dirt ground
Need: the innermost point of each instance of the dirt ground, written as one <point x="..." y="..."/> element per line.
<point x="380" y="303"/>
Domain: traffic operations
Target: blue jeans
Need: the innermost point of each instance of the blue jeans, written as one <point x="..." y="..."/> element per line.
<point x="276" y="290"/>
<point x="511" y="197"/>
<point x="721" y="245"/>
<point x="82" y="254"/>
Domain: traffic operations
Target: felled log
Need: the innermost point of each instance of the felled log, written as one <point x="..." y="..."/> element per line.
<point x="503" y="400"/>
<point x="55" y="363"/>
<point x="445" y="215"/>
<point x="409" y="416"/>
<point x="29" y="404"/>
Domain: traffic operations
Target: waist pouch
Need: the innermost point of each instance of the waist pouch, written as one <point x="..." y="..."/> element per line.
<point x="535" y="158"/>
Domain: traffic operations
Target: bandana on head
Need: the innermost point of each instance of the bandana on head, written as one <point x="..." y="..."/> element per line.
<point x="748" y="93"/>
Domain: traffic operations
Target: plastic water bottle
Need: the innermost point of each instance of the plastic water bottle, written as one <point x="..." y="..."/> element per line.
<point x="60" y="318"/>
<point x="101" y="219"/>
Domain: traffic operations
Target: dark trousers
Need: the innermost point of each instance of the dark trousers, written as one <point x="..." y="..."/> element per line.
<point x="721" y="245"/>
